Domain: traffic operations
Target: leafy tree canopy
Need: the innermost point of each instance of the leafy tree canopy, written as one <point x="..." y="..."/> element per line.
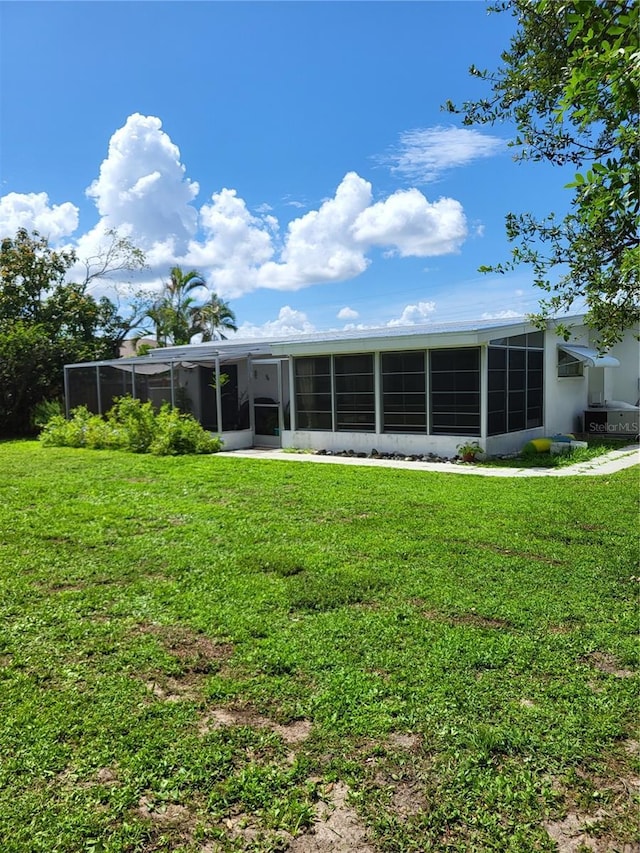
<point x="47" y="322"/>
<point x="569" y="82"/>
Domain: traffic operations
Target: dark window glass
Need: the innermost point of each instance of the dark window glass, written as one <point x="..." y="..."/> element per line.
<point x="82" y="388"/>
<point x="497" y="422"/>
<point x="114" y="383"/>
<point x="355" y="398"/>
<point x="515" y="380"/>
<point x="399" y="383"/>
<point x="357" y="383"/>
<point x="455" y="359"/>
<point x="515" y="421"/>
<point x="315" y="366"/>
<point x="403" y="403"/>
<point x="313" y="392"/>
<point x="455" y="387"/>
<point x="517" y="359"/>
<point x="497" y="358"/>
<point x="498" y="380"/>
<point x="353" y="364"/>
<point x="517" y="341"/>
<point x="403" y="392"/>
<point x="535" y="339"/>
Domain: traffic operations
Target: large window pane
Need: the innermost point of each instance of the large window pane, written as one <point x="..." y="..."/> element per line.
<point x="354" y="390"/>
<point x="455" y="391"/>
<point x="515" y="383"/>
<point x="404" y="401"/>
<point x="313" y="393"/>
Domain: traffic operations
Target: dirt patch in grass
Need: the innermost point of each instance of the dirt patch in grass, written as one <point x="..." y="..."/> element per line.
<point x="106" y="776"/>
<point x="564" y="628"/>
<point x="197" y="656"/>
<point x="511" y="552"/>
<point x="613" y="824"/>
<point x="187" y="689"/>
<point x="336" y="829"/>
<point x="408" y="799"/>
<point x="293" y="733"/>
<point x="608" y="664"/>
<point x="473" y="619"/>
<point x="166" y="820"/>
<point x="478" y="621"/>
<point x="194" y="651"/>
<point x="404" y="740"/>
<point x="572" y="834"/>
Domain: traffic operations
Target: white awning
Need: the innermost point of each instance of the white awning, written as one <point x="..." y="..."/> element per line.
<point x="590" y="356"/>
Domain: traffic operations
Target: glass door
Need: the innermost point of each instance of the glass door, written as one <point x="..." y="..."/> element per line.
<point x="267" y="403"/>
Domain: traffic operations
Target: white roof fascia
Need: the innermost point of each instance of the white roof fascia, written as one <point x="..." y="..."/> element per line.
<point x="384" y="344"/>
<point x="411" y="340"/>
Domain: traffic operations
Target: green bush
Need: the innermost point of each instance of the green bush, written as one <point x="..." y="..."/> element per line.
<point x="134" y="422"/>
<point x="134" y="426"/>
<point x="178" y="433"/>
<point x="75" y="432"/>
<point x="43" y="411"/>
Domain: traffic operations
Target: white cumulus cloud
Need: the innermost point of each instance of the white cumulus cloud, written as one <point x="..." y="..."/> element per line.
<point x="236" y="243"/>
<point x="289" y="322"/>
<point x="347" y="313"/>
<point x="318" y="246"/>
<point x="507" y="314"/>
<point x="143" y="192"/>
<point x="412" y="314"/>
<point x="412" y="226"/>
<point x="142" y="185"/>
<point x="34" y="212"/>
<point x="424" y="154"/>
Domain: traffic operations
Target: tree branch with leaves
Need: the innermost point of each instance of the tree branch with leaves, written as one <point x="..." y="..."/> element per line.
<point x="569" y="82"/>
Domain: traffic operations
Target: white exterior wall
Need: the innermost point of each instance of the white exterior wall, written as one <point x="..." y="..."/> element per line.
<point x="623" y="383"/>
<point x="364" y="442"/>
<point x="237" y="440"/>
<point x="263" y="380"/>
<point x="566" y="397"/>
<point x="511" y="442"/>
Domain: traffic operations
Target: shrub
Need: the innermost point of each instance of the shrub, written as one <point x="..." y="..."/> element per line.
<point x="134" y="426"/>
<point x="61" y="432"/>
<point x="135" y="421"/>
<point x="178" y="433"/>
<point x="43" y="411"/>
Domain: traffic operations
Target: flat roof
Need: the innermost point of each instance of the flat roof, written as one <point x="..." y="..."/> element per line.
<point x="424" y="335"/>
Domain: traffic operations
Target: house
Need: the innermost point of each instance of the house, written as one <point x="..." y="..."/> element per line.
<point x="411" y="390"/>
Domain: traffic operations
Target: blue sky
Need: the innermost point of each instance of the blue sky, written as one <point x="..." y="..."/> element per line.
<point x="295" y="153"/>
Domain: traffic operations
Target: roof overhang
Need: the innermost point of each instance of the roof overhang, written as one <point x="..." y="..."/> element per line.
<point x="589" y="356"/>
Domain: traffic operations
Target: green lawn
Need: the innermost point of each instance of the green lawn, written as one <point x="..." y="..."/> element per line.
<point x="214" y="654"/>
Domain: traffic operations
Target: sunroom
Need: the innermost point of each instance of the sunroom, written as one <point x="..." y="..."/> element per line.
<point x="411" y="390"/>
<point x="417" y="391"/>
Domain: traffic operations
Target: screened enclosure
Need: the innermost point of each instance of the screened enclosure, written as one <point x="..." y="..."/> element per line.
<point x="215" y="393"/>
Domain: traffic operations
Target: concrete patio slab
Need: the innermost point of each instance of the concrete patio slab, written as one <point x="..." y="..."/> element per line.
<point x="609" y="463"/>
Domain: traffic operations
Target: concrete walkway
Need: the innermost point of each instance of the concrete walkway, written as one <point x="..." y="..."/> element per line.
<point x="609" y="463"/>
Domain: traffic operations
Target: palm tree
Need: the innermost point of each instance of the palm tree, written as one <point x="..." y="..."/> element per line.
<point x="214" y="316"/>
<point x="174" y="311"/>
